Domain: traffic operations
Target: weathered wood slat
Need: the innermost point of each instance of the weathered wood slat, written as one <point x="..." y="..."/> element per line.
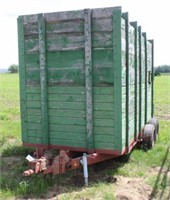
<point x="67" y="142"/>
<point x="62" y="16"/>
<point x="67" y="113"/>
<point x="103" y="90"/>
<point x="74" y="26"/>
<point x="65" y="59"/>
<point x="104" y="106"/>
<point x="69" y="76"/>
<point x="104" y="139"/>
<point x="102" y="40"/>
<point x="67" y="105"/>
<point x="67" y="121"/>
<point x="66" y="90"/>
<point x="103" y="115"/>
<point x="32" y="60"/>
<point x="33" y="112"/>
<point x="69" y="41"/>
<point x="102" y="24"/>
<point x="34" y="119"/>
<point x="33" y="104"/>
<point x="103" y="130"/>
<point x="34" y="126"/>
<point x="34" y="140"/>
<point x="67" y="128"/>
<point x="68" y="136"/>
<point x="66" y="97"/>
<point x="104" y="123"/>
<point x="103" y="98"/>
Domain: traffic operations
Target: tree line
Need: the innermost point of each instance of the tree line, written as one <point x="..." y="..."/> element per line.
<point x="161" y="69"/>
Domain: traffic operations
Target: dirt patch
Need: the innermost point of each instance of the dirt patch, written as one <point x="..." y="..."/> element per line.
<point x="132" y="189"/>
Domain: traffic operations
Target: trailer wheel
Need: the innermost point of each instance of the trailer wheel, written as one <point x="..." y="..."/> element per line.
<point x="155" y="122"/>
<point x="148" y="139"/>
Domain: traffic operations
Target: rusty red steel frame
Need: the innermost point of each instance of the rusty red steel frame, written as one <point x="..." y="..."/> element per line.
<point x="66" y="160"/>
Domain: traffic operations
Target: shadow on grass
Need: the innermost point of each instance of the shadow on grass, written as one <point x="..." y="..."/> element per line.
<point x="162" y="178"/>
<point x="45" y="187"/>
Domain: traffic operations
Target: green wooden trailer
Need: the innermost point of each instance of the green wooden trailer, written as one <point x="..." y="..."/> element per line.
<point x="86" y="83"/>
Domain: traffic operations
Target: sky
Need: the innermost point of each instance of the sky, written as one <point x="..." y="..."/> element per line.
<point x="152" y="15"/>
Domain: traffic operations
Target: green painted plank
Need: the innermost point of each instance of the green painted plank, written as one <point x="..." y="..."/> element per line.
<point x="65" y="90"/>
<point x="67" y="105"/>
<point x="103" y="90"/>
<point x="104" y="139"/>
<point x="69" y="76"/>
<point x="103" y="106"/>
<point x="33" y="104"/>
<point x="34" y="111"/>
<point x="88" y="78"/>
<point x="65" y="59"/>
<point x="34" y="133"/>
<point x="33" y="89"/>
<point x="69" y="136"/>
<point x="103" y="98"/>
<point x="67" y="121"/>
<point x="67" y="97"/>
<point x="32" y="60"/>
<point x="22" y="78"/>
<point x="103" y="130"/>
<point x="102" y="39"/>
<point x="69" y="143"/>
<point x="67" y="128"/>
<point x="33" y="97"/>
<point x="66" y="113"/>
<point x="35" y="140"/>
<point x="103" y="67"/>
<point x="34" y="119"/>
<point x="34" y="126"/>
<point x="103" y="114"/>
<point x="33" y="76"/>
<point x="103" y="122"/>
<point x="102" y="145"/>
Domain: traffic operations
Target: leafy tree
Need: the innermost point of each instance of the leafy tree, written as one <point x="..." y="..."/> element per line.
<point x="162" y="69"/>
<point x="13" y="68"/>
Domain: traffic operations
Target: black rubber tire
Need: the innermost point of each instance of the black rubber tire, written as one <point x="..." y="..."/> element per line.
<point x="148" y="139"/>
<point x="155" y="122"/>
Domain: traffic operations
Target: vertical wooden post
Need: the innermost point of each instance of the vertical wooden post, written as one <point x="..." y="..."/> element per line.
<point x="22" y="77"/>
<point x="88" y="78"/>
<point x="134" y="24"/>
<point x="43" y="78"/>
<point x="146" y="77"/>
<point x="117" y="63"/>
<point x="126" y="17"/>
<point x="152" y="70"/>
<point x="140" y="78"/>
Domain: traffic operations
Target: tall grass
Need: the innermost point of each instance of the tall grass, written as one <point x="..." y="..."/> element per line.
<point x="141" y="163"/>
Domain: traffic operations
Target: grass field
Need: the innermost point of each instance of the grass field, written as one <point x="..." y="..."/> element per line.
<point x="149" y="170"/>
